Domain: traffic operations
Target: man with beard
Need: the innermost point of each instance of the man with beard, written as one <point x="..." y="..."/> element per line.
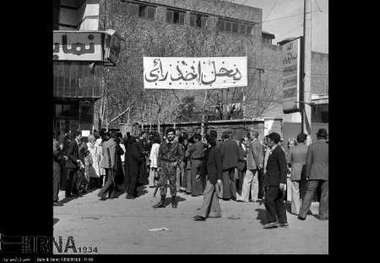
<point x="170" y="155"/>
<point x="134" y="157"/>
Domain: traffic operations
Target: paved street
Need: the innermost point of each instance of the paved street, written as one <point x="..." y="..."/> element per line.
<point x="120" y="226"/>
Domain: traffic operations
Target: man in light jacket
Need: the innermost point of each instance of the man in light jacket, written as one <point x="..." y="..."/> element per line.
<point x="255" y="158"/>
<point x="108" y="163"/>
<point x="317" y="173"/>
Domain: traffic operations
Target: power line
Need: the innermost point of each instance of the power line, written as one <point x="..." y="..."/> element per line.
<point x="283" y="17"/>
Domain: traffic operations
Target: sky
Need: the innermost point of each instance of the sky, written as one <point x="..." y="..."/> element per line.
<point x="284" y="18"/>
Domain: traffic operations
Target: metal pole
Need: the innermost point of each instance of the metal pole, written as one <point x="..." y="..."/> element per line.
<point x="307" y="34"/>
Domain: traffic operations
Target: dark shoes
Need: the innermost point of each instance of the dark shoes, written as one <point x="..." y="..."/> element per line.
<point x="301" y="218"/>
<point x="199" y="218"/>
<point x="174" y="202"/>
<point x="160" y="204"/>
<point x="130" y="196"/>
<point x="57" y="203"/>
<point x="271" y="225"/>
<point x="283" y="225"/>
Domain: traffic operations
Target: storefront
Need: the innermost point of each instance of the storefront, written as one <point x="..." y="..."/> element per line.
<point x="78" y="67"/>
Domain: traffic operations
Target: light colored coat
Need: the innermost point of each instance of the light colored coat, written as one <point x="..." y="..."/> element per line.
<point x="108" y="160"/>
<point x="317" y="161"/>
<point x="298" y="161"/>
<point x="154" y="155"/>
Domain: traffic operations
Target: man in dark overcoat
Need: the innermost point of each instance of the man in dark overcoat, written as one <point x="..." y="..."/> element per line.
<point x="230" y="153"/>
<point x="134" y="157"/>
<point x="212" y="171"/>
<point x="275" y="184"/>
<point x="72" y="164"/>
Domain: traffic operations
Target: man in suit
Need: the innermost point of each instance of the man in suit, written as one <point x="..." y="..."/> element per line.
<point x="229" y="151"/>
<point x="255" y="158"/>
<point x="196" y="153"/>
<point x="317" y="174"/>
<point x="108" y="163"/>
<point x="275" y="184"/>
<point x="72" y="163"/>
<point x="212" y="167"/>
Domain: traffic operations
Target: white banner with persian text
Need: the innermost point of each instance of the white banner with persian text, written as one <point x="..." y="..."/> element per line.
<point x="77" y="46"/>
<point x="195" y="73"/>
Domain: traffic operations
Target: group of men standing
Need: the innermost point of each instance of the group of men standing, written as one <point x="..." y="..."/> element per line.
<point x="216" y="167"/>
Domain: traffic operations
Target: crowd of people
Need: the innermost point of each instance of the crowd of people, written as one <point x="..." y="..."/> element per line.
<point x="245" y="170"/>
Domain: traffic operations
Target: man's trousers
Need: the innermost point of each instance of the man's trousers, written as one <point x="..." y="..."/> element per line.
<point x="168" y="173"/>
<point x="229" y="184"/>
<point x="275" y="204"/>
<point x="250" y="185"/>
<point x="210" y="206"/>
<point x="310" y="192"/>
<point x="109" y="186"/>
<point x="71" y="182"/>
<point x="296" y="199"/>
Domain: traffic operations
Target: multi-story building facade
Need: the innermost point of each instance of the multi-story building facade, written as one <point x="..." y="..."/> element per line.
<point x="167" y="28"/>
<point x="81" y="49"/>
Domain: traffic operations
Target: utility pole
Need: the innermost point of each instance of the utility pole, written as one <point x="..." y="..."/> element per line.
<point x="307" y="36"/>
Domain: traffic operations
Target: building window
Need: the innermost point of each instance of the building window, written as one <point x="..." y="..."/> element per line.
<point x="225" y="25"/>
<point x="235" y="27"/>
<point x="175" y="17"/>
<point x="198" y="20"/>
<point x="249" y="29"/>
<point x="243" y="29"/>
<point x="147" y="12"/>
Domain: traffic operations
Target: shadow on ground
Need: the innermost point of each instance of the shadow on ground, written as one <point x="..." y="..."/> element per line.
<point x="168" y="200"/>
<point x="261" y="215"/>
<point x="68" y="199"/>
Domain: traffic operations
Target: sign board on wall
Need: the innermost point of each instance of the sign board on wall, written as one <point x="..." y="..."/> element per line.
<point x="191" y="73"/>
<point x="291" y="77"/>
<point x="77" y="46"/>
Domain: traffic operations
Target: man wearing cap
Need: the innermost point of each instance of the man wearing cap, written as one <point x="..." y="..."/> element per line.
<point x="317" y="174"/>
